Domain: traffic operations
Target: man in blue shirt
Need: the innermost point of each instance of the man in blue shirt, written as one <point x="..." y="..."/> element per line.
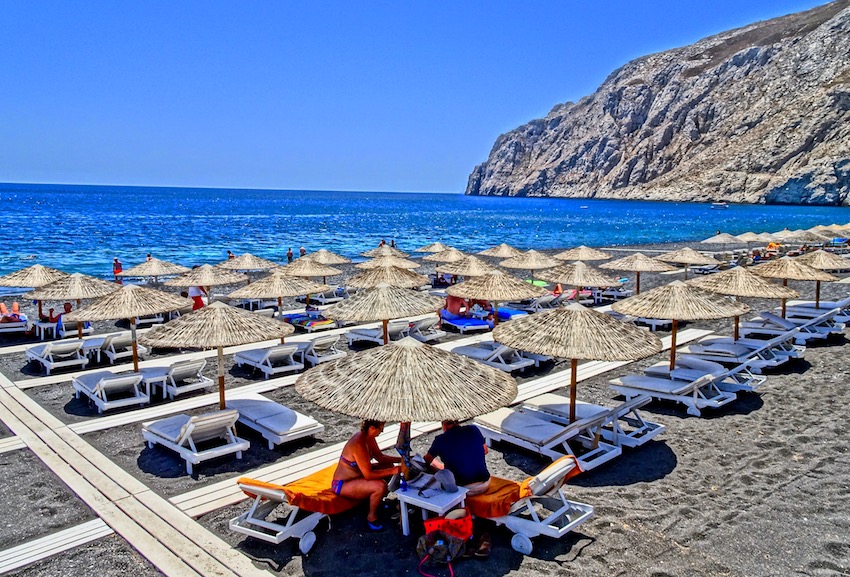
<point x="461" y="450"/>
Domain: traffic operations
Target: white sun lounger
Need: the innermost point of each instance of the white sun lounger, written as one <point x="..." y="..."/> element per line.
<point x="551" y="439"/>
<point x="425" y="330"/>
<point x="276" y="423"/>
<point x="700" y="394"/>
<point x="64" y="331"/>
<point x="110" y="391"/>
<point x="527" y="518"/>
<point x="624" y="427"/>
<point x="843" y="305"/>
<point x="325" y="298"/>
<point x="466" y="324"/>
<point x="755" y="354"/>
<point x="273" y="360"/>
<point x="58" y="354"/>
<point x="116" y="346"/>
<point x="177" y="378"/>
<point x="496" y="355"/>
<point x="182" y="433"/>
<point x="779" y="346"/>
<point x="395" y="330"/>
<point x="150" y="320"/>
<point x="535" y="306"/>
<point x="842" y="316"/>
<point x="320" y="350"/>
<point x="770" y="324"/>
<point x="690" y="368"/>
<point x="15" y="327"/>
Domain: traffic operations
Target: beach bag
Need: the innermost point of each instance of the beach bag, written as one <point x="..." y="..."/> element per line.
<point x="436" y="548"/>
<point x="457" y="523"/>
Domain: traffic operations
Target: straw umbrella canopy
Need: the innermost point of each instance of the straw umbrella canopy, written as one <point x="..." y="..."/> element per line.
<point x="214" y="327"/>
<point x="785" y="233"/>
<point x="327" y="257"/>
<point x="35" y="276"/>
<point x="446" y="256"/>
<point x="687" y="256"/>
<point x="407" y="381"/>
<point x="788" y="268"/>
<point x="495" y="286"/>
<point x="749" y="237"/>
<point x="385" y="250"/>
<point x="380" y="261"/>
<point x="206" y="276"/>
<point x="722" y="238"/>
<point x="679" y="301"/>
<point x="501" y="251"/>
<point x="807" y="236"/>
<point x="532" y="261"/>
<point x="390" y="275"/>
<point x="638" y="263"/>
<point x="740" y="282"/>
<point x="583" y="253"/>
<point x="822" y="260"/>
<point x="155" y="268"/>
<point x="76" y="287"/>
<point x="129" y="302"/>
<point x="306" y="267"/>
<point x="470" y="266"/>
<point x="276" y="286"/>
<point x="247" y="262"/>
<point x="382" y="303"/>
<point x="433" y="247"/>
<point x="577" y="332"/>
<point x="579" y="275"/>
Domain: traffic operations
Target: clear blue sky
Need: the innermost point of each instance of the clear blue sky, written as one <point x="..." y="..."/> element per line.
<point x="394" y="96"/>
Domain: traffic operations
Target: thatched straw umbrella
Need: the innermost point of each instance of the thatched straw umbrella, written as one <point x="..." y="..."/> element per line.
<point x="582" y="253"/>
<point x="278" y="285"/>
<point x="679" y="301"/>
<point x="215" y="327"/>
<point x="788" y="268"/>
<point x="749" y="237"/>
<point x="407" y="381"/>
<point x="433" y="247"/>
<point x="308" y="268"/>
<point x="382" y="303"/>
<point x="470" y="266"/>
<point x="577" y="332"/>
<point x="35" y="276"/>
<point x="389" y="275"/>
<point x="687" y="256"/>
<point x="155" y="268"/>
<point x="380" y="261"/>
<point x="822" y="260"/>
<point x="129" y="302"/>
<point x="385" y="250"/>
<point x="740" y="282"/>
<point x="531" y="260"/>
<point x="206" y="276"/>
<point x="495" y="286"/>
<point x="76" y="287"/>
<point x="638" y="263"/>
<point x="327" y="257"/>
<point x="446" y="256"/>
<point x="722" y="238"/>
<point x="807" y="236"/>
<point x="501" y="251"/>
<point x="248" y="262"/>
<point x="578" y="275"/>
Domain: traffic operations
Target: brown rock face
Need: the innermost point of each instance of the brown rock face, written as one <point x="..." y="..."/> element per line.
<point x="760" y="114"/>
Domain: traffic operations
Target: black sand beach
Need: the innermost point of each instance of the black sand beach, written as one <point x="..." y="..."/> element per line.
<point x="757" y="488"/>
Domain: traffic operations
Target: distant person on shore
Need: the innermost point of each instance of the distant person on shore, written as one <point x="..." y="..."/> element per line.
<point x="230" y="255"/>
<point x="196" y="293"/>
<point x="392" y="243"/>
<point x="117" y="268"/>
<point x="289" y="255"/>
<point x="302" y="251"/>
<point x="149" y="257"/>
<point x="382" y="243"/>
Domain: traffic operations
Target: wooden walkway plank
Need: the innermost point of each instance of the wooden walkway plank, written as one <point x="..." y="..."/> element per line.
<point x="44" y="547"/>
<point x="12" y="443"/>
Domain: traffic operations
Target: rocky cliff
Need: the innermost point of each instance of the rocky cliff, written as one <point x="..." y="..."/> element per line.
<point x="760" y="114"/>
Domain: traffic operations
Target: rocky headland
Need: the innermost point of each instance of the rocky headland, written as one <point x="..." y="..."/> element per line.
<point x="760" y="114"/>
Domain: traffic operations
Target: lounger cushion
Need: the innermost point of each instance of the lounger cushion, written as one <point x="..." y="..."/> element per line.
<point x="271" y="415"/>
<point x="560" y="405"/>
<point x="312" y="493"/>
<point x="89" y="381"/>
<point x="170" y="429"/>
<point x="253" y="355"/>
<point x="520" y="425"/>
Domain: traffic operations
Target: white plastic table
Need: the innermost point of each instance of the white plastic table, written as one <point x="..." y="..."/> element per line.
<point x="432" y="499"/>
<point x="41" y="328"/>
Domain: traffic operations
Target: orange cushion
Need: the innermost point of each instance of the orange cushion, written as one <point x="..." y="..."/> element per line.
<point x="312" y="493"/>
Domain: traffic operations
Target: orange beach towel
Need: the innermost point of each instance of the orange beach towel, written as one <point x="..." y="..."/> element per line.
<point x="312" y="493"/>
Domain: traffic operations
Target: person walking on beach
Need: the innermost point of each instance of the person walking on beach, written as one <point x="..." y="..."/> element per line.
<point x="196" y="293"/>
<point x="302" y="251"/>
<point x="289" y="255"/>
<point x="230" y="255"/>
<point x="117" y="267"/>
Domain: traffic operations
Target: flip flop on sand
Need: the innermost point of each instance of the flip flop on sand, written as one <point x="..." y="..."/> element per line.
<point x="483" y="551"/>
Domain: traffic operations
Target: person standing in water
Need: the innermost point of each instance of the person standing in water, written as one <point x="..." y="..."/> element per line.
<point x="117" y="268"/>
<point x="289" y="255"/>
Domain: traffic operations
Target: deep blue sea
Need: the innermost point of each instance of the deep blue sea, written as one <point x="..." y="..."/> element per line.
<point x="81" y="228"/>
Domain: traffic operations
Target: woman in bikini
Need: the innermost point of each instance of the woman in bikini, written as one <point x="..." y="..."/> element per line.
<point x="362" y="470"/>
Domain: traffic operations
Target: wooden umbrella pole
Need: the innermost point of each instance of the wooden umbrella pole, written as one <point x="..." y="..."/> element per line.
<point x="221" y="404"/>
<point x="784" y="283"/>
<point x="673" y="344"/>
<point x="637" y="292"/>
<point x="385" y="322"/>
<point x="79" y="324"/>
<point x="495" y="313"/>
<point x="573" y="380"/>
<point x="135" y="345"/>
<point x="817" y="294"/>
<point x="686" y="272"/>
<point x="737" y="323"/>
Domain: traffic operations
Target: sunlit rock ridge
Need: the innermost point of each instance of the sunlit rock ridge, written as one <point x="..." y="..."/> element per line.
<point x="760" y="114"/>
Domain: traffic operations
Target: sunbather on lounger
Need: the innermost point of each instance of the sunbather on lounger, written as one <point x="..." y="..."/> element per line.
<point x="357" y="477"/>
<point x="461" y="450"/>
